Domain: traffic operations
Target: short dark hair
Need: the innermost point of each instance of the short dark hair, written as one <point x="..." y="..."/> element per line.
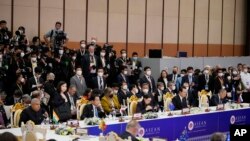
<point x="134" y="53"/>
<point x="146" y="96"/>
<point x="147" y="67"/>
<point x="190" y="68"/>
<point x="38" y="70"/>
<point x="3" y="21"/>
<point x="18" y="93"/>
<point x="82" y="41"/>
<point x="58" y="23"/>
<point x="7" y="136"/>
<point x="122" y="50"/>
<point x="35" y="38"/>
<point x="182" y="88"/>
<point x="93" y="96"/>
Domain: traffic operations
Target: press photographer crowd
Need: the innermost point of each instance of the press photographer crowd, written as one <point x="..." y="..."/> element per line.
<point x="47" y="78"/>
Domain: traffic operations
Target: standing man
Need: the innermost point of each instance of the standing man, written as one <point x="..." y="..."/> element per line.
<point x="78" y="81"/>
<point x="57" y="37"/>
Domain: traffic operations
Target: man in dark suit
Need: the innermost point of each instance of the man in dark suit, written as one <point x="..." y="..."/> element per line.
<point x="131" y="130"/>
<point x="136" y="68"/>
<point x="146" y="105"/>
<point x="219" y="98"/>
<point x="34" y="113"/>
<point x="190" y="78"/>
<point x="99" y="82"/>
<point x="36" y="82"/>
<point x="81" y="52"/>
<point x="159" y="94"/>
<point x="90" y="63"/>
<point x="147" y="78"/>
<point x="104" y="62"/>
<point x="123" y="94"/>
<point x="123" y="60"/>
<point x="72" y="98"/>
<point x="173" y="77"/>
<point x="205" y="81"/>
<point x="122" y="77"/>
<point x="180" y="100"/>
<point x="192" y="96"/>
<point x="94" y="109"/>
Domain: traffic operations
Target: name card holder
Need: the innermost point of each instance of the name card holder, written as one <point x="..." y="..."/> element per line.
<point x="185" y="111"/>
<point x="81" y="131"/>
<point x="137" y="116"/>
<point x="220" y="107"/>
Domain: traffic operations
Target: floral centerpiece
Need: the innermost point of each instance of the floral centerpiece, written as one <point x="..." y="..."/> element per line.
<point x="92" y="121"/>
<point x="102" y="126"/>
<point x="203" y="98"/>
<point x="64" y="131"/>
<point x="150" y="115"/>
<point x="167" y="100"/>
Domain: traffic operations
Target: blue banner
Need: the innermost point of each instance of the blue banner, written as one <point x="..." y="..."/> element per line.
<point x="184" y="127"/>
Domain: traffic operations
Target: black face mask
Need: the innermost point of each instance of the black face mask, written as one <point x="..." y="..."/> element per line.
<point x="51" y="81"/>
<point x="174" y="72"/>
<point x="111" y="96"/>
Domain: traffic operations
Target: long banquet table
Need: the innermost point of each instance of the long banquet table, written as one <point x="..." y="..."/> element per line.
<point x="195" y="126"/>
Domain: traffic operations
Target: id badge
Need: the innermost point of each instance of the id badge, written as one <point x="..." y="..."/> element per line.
<point x="206" y="87"/>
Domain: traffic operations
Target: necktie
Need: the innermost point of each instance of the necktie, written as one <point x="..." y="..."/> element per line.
<point x="174" y="77"/>
<point x="101" y="83"/>
<point x="184" y="102"/>
<point x="95" y="112"/>
<point x="91" y="59"/>
<point x="190" y="79"/>
<point x="150" y="82"/>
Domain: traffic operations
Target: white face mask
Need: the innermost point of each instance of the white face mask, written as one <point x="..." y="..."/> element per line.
<point x="135" y="58"/>
<point x="83" y="46"/>
<point x="79" y="72"/>
<point x="124" y="55"/>
<point x="190" y="74"/>
<point x="103" y="54"/>
<point x="22" y="80"/>
<point x="74" y="58"/>
<point x="162" y="88"/>
<point x="245" y="70"/>
<point x="235" y="72"/>
<point x="33" y="59"/>
<point x="182" y="75"/>
<point x="125" y="87"/>
<point x="206" y="71"/>
<point x="145" y="91"/>
<point x="100" y="74"/>
<point x="136" y="90"/>
<point x="22" y="54"/>
<point x="125" y="72"/>
<point x="229" y="78"/>
<point x="220" y="74"/>
<point x="173" y="88"/>
<point x="93" y="41"/>
<point x="115" y="91"/>
<point x="61" y="52"/>
<point x="148" y="72"/>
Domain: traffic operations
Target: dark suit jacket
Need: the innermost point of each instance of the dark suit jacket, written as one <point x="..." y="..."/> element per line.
<point x="123" y="96"/>
<point x="160" y="79"/>
<point x="177" y="103"/>
<point x="193" y="98"/>
<point x="86" y="64"/>
<point x="29" y="114"/>
<point x="141" y="107"/>
<point x="80" y="57"/>
<point x="218" y="85"/>
<point x="95" y="84"/>
<point x="170" y="77"/>
<point x="126" y="134"/>
<point x="215" y="100"/>
<point x="75" y="98"/>
<point x="120" y="79"/>
<point x="145" y="80"/>
<point x="156" y="98"/>
<point x="89" y="113"/>
<point x="202" y="82"/>
<point x="194" y="79"/>
<point x="32" y="82"/>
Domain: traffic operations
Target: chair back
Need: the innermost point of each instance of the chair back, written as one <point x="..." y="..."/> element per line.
<point x="29" y="132"/>
<point x="16" y="118"/>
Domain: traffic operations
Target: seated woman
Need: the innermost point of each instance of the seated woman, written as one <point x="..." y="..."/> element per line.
<point x="110" y="102"/>
<point x="146" y="105"/>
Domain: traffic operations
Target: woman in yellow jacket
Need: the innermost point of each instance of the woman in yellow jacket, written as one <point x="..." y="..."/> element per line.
<point x="110" y="101"/>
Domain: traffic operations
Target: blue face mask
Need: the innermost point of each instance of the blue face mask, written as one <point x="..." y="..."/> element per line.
<point x="135" y="58"/>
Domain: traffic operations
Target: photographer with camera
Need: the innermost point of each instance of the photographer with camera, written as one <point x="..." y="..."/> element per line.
<point x="5" y="35"/>
<point x="20" y="40"/>
<point x="56" y="38"/>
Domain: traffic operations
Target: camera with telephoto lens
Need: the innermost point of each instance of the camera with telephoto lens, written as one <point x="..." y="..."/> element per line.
<point x="59" y="38"/>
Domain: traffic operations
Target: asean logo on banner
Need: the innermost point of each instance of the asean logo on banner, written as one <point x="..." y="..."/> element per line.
<point x="232" y="119"/>
<point x="141" y="132"/>
<point x="191" y="125"/>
